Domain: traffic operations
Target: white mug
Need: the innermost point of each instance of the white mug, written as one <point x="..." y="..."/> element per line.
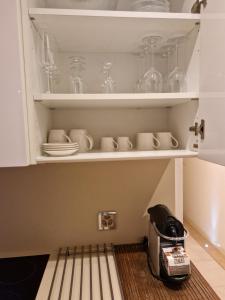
<point x="108" y="144"/>
<point x="147" y="141"/>
<point x="124" y="143"/>
<point x="167" y="141"/>
<point x="58" y="136"/>
<point x="80" y="136"/>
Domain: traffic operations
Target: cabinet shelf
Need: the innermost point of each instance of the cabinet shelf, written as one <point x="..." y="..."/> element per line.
<point x="118" y="156"/>
<point x="98" y="27"/>
<point x="114" y="100"/>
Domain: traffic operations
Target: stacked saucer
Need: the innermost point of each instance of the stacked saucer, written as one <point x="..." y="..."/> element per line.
<point x="151" y="5"/>
<point x="63" y="149"/>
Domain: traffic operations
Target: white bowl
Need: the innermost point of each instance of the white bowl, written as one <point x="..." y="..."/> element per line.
<point x="83" y="4"/>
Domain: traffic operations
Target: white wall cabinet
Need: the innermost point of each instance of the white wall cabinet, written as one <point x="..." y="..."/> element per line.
<point x="117" y="35"/>
<point x="14" y="145"/>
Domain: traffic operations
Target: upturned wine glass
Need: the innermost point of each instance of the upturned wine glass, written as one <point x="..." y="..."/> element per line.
<point x="166" y="52"/>
<point x="55" y="77"/>
<point x="140" y="70"/>
<point x="77" y="66"/>
<point x="152" y="79"/>
<point x="108" y="85"/>
<point x="176" y="78"/>
<point x="48" y="60"/>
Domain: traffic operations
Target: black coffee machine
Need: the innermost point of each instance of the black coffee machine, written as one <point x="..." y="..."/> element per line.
<point x="166" y="233"/>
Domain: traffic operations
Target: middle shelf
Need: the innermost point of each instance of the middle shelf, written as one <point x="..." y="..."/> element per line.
<point x="118" y="156"/>
<point x="128" y="100"/>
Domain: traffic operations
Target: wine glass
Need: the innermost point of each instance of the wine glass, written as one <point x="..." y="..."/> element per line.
<point x="152" y="80"/>
<point x="54" y="79"/>
<point x="77" y="64"/>
<point x="48" y="60"/>
<point x="140" y="69"/>
<point x="176" y="78"/>
<point x="165" y="52"/>
<point x="108" y="85"/>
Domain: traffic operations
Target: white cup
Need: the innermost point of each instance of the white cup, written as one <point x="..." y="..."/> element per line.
<point x="58" y="136"/>
<point x="80" y="136"/>
<point x="108" y="144"/>
<point x="124" y="143"/>
<point x="167" y="141"/>
<point x="147" y="141"/>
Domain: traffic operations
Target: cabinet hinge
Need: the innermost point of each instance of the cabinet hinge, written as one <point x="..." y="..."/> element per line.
<point x="199" y="129"/>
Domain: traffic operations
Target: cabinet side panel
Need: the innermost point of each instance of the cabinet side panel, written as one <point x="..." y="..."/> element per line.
<point x="181" y="117"/>
<point x="13" y="131"/>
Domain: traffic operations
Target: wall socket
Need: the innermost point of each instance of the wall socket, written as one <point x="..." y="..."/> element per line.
<point x="107" y="220"/>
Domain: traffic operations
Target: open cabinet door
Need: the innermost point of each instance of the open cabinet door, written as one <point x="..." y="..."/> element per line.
<point x="14" y="149"/>
<point x="212" y="82"/>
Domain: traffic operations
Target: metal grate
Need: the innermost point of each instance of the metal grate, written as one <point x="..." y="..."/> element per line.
<point x="86" y="273"/>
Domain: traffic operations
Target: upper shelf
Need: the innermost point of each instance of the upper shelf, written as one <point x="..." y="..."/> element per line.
<point x="114" y="100"/>
<point x="92" y="31"/>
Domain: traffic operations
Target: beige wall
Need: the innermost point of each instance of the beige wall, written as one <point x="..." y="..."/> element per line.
<point x="44" y="207"/>
<point x="204" y="199"/>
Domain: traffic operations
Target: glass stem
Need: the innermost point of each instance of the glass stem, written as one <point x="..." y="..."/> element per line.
<point x="146" y="60"/>
<point x="139" y="67"/>
<point x="142" y="65"/>
<point x="177" y="55"/>
<point x="152" y="56"/>
<point x="106" y="75"/>
<point x="168" y="66"/>
<point x="49" y="82"/>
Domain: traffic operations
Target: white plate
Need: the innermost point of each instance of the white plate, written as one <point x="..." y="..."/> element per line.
<point x="60" y="148"/>
<point x="150" y="8"/>
<point x="87" y="4"/>
<point x="61" y="153"/>
<point x="151" y="5"/>
<point x="151" y="2"/>
<point x="59" y="145"/>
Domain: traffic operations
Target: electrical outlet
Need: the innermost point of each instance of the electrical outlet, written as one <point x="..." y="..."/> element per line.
<point x="107" y="220"/>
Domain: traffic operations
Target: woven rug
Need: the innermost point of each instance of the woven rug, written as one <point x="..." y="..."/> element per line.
<point x="139" y="284"/>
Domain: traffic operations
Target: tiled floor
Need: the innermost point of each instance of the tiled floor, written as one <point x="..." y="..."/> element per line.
<point x="207" y="266"/>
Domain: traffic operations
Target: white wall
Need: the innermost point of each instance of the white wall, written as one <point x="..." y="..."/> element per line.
<point x="204" y="199"/>
<point x="44" y="207"/>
